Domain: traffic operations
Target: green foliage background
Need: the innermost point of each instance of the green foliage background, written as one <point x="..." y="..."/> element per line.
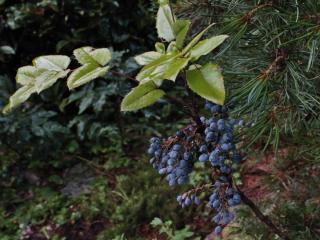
<point x="73" y="167"/>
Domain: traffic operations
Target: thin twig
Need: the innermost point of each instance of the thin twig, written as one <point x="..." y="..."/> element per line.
<point x="263" y="218"/>
<point x="119" y="74"/>
<point x="249" y="15"/>
<point x="281" y="56"/>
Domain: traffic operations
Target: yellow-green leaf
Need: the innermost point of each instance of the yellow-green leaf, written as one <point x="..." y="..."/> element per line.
<point x="85" y="74"/>
<point x="141" y="96"/>
<point x="146" y="71"/>
<point x="196" y="39"/>
<point x="20" y="96"/>
<point x="165" y="21"/>
<point x="147" y="57"/>
<point x="207" y="82"/>
<point x="181" y="28"/>
<point x="172" y="69"/>
<point x="206" y="46"/>
<point x="52" y="62"/>
<point x="166" y="70"/>
<point x="26" y="75"/>
<point x="48" y="78"/>
<point x="89" y="55"/>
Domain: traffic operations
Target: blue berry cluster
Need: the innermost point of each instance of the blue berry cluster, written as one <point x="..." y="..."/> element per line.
<point x="173" y="157"/>
<point x="219" y="149"/>
<point x="221" y="200"/>
<point x="187" y="199"/>
<point x="212" y="142"/>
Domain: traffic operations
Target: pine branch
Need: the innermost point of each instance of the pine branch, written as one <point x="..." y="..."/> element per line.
<point x="272" y="67"/>
<point x="246" y="18"/>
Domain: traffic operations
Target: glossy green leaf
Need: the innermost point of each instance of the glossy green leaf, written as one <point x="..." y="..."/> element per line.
<point x="206" y="46"/>
<point x="146" y="72"/>
<point x="147" y="57"/>
<point x="165" y="70"/>
<point x="181" y="28"/>
<point x="85" y="74"/>
<point x="165" y="21"/>
<point x="172" y="69"/>
<point x="89" y="55"/>
<point x="20" y="96"/>
<point x="52" y="62"/>
<point x="48" y="78"/>
<point x="196" y="39"/>
<point x="141" y="96"/>
<point x="27" y="75"/>
<point x="207" y="82"/>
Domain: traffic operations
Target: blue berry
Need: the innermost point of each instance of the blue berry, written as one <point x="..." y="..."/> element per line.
<point x="218" y="230"/>
<point x="203" y="157"/>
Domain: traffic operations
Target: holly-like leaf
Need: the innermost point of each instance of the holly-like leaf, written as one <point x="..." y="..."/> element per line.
<point x="147" y="57"/>
<point x="206" y="46"/>
<point x="168" y="69"/>
<point x="141" y="96"/>
<point x="89" y="55"/>
<point x="165" y="22"/>
<point x="195" y="40"/>
<point x="20" y="96"/>
<point x="52" y="62"/>
<point x="181" y="28"/>
<point x="207" y="82"/>
<point x="171" y="70"/>
<point x="48" y="78"/>
<point x="27" y="75"/>
<point x="85" y="74"/>
<point x="145" y="73"/>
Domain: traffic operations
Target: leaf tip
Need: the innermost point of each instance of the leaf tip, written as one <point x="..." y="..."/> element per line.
<point x="6" y="109"/>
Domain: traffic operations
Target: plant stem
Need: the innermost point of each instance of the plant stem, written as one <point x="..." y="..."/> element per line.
<point x="263" y="218"/>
